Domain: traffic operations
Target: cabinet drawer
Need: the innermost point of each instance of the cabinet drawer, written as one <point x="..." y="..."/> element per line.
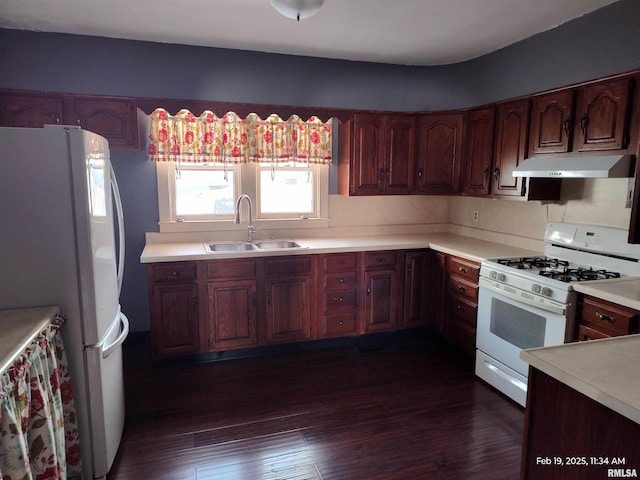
<point x="288" y="265"/>
<point x="380" y="260"/>
<point x="461" y="286"/>
<point x="607" y="317"/>
<point x="463" y="311"/>
<point x="587" y="333"/>
<point x="339" y="325"/>
<point x="340" y="280"/>
<point x="340" y="262"/>
<point x="339" y="301"/>
<point x="231" y="268"/>
<point x="464" y="268"/>
<point x="174" y="272"/>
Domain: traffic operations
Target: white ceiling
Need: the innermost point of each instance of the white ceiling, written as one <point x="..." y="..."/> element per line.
<point x="406" y="32"/>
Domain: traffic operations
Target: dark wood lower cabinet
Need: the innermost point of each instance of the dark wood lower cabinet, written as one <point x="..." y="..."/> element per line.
<point x="569" y="436"/>
<point x="218" y="305"/>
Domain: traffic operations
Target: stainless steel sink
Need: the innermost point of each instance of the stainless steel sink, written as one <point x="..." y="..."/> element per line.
<point x="213" y="247"/>
<point x="276" y="244"/>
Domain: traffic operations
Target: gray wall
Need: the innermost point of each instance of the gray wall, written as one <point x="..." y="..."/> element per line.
<point x="602" y="43"/>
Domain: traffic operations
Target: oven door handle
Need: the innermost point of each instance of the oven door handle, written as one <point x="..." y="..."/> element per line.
<point x="546" y="304"/>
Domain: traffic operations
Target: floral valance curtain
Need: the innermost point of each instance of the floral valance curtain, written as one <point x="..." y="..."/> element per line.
<point x="232" y="139"/>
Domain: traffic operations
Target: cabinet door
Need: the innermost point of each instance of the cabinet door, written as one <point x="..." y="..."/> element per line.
<point x="232" y="314"/>
<point x="601" y="113"/>
<point x="551" y="122"/>
<point x="416" y="289"/>
<point x="437" y="279"/>
<point x="478" y="151"/>
<point x="368" y="152"/>
<point x="174" y="319"/>
<point x="512" y="123"/>
<point x="288" y="312"/>
<point x="400" y="154"/>
<point x="439" y="153"/>
<point x="114" y="119"/>
<point x="30" y="111"/>
<point x="381" y="301"/>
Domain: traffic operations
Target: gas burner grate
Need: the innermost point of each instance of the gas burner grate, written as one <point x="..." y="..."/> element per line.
<point x="579" y="274"/>
<point x="533" y="262"/>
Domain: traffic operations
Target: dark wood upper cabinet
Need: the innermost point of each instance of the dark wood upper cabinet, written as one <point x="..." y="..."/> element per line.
<point x="115" y="119"/>
<point x="30" y="111"/>
<point x="439" y="153"/>
<point x="400" y="131"/>
<point x="478" y="151"/>
<point x="383" y="154"/>
<point x="512" y="127"/>
<point x="602" y="116"/>
<point x="552" y="122"/>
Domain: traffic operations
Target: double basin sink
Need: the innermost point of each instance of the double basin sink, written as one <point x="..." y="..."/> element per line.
<point x="213" y="247"/>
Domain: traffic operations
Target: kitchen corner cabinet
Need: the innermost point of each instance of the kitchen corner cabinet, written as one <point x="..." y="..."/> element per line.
<point x="174" y="308"/>
<point x="382" y="154"/>
<point x="288" y="287"/>
<point x="461" y="304"/>
<point x="439" y="153"/>
<point x="512" y="128"/>
<point x="416" y="289"/>
<point x="115" y="118"/>
<point x="382" y="300"/>
<point x="231" y="316"/>
<point x="599" y="318"/>
<point x="478" y="151"/>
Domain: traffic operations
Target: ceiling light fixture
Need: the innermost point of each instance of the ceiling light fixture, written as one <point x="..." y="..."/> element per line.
<point x="297" y="9"/>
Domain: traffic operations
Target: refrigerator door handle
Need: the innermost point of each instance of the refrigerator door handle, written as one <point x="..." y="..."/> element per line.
<point x="118" y="202"/>
<point x="107" y="349"/>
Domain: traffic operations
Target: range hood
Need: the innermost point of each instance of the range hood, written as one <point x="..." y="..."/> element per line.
<point x="607" y="166"/>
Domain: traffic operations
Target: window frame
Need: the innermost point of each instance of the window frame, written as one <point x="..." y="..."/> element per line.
<point x="246" y="178"/>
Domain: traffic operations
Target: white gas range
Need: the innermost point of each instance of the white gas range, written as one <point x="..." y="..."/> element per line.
<point x="529" y="302"/>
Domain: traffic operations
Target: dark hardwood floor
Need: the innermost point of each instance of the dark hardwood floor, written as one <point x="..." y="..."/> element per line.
<point x="410" y="410"/>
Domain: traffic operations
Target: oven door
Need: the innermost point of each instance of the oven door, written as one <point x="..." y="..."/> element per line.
<point x="510" y="320"/>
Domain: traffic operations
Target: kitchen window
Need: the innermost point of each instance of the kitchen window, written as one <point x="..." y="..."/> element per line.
<point x="282" y="166"/>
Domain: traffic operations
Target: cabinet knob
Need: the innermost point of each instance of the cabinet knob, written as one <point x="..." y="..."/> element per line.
<point x="340" y="322"/>
<point x="175" y="273"/>
<point x="339" y="299"/>
<point x="341" y="280"/>
<point x="496" y="174"/>
<point x="460" y="307"/>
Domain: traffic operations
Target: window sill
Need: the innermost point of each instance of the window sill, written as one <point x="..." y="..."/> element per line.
<point x="229" y="226"/>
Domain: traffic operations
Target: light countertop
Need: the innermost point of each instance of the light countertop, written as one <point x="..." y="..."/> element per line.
<point x="459" y="245"/>
<point x="19" y="327"/>
<point x="623" y="291"/>
<point x="604" y="370"/>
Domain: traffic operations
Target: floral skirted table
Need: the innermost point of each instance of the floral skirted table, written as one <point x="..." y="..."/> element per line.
<point x="39" y="431"/>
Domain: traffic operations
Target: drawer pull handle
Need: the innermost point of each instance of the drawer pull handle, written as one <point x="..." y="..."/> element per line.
<point x="462" y="288"/>
<point x="462" y="269"/>
<point x="460" y="307"/>
<point x="339" y="299"/>
<point x="341" y="280"/>
<point x="607" y="318"/>
<point x="381" y="260"/>
<point x="174" y="274"/>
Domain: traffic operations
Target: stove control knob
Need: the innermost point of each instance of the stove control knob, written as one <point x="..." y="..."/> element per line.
<point x="493" y="274"/>
<point x="536" y="288"/>
<point x="547" y="292"/>
<point x="502" y="277"/>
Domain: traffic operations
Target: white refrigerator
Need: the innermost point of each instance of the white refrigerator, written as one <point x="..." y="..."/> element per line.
<point x="61" y="244"/>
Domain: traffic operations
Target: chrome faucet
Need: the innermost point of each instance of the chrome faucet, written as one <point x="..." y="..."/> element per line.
<point x="250" y="229"/>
